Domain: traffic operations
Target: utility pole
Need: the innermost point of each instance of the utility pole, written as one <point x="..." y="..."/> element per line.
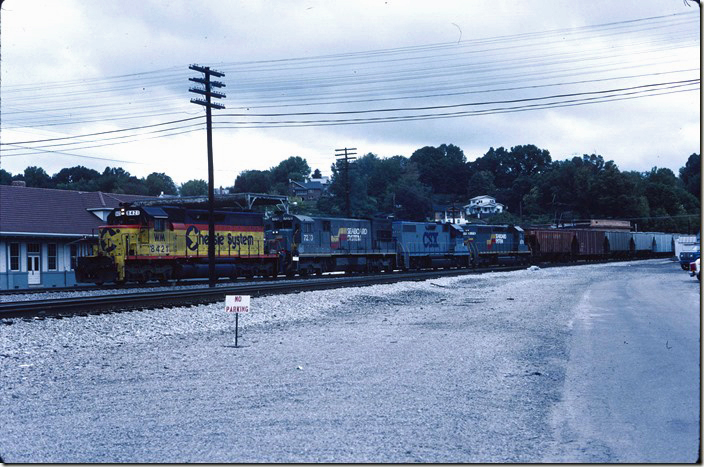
<point x="346" y="154"/>
<point x="209" y="93"/>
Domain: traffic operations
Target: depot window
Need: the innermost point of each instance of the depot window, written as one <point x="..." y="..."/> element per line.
<point x="74" y="256"/>
<point x="14" y="256"/>
<point x="51" y="256"/>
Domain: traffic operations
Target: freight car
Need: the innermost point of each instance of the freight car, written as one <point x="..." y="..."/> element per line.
<point x="552" y="244"/>
<point x="644" y="244"/>
<point x="163" y="243"/>
<point x="619" y="244"/>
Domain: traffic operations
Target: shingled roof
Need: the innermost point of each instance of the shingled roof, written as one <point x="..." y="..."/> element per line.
<point x="40" y="211"/>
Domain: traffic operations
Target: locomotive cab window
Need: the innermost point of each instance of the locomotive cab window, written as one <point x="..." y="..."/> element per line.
<point x="326" y="226"/>
<point x="159" y="225"/>
<point x="283" y="224"/>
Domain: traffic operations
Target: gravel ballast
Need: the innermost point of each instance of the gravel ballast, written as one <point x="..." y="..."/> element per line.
<point x="461" y="369"/>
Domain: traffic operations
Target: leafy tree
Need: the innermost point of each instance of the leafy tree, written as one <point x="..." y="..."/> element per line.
<point x="481" y="183"/>
<point x="691" y="175"/>
<point x="5" y="177"/>
<point x="158" y="183"/>
<point x="253" y="181"/>
<point x="77" y="178"/>
<point x="293" y="168"/>
<point x="316" y="174"/>
<point x="36" y="177"/>
<point x="194" y="188"/>
<point x="444" y="168"/>
<point x="335" y="201"/>
<point x="118" y="180"/>
<point x="412" y="200"/>
<point x="514" y="171"/>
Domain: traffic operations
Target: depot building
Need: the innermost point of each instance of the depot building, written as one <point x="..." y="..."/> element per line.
<point x="43" y="231"/>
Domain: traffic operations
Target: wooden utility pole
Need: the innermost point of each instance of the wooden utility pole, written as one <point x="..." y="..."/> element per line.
<point x="209" y="93"/>
<point x="346" y="154"/>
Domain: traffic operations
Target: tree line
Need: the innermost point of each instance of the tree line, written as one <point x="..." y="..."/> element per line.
<point x="533" y="187"/>
<point x="112" y="180"/>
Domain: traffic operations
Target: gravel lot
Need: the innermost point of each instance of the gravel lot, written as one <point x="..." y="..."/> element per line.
<point x="462" y="369"/>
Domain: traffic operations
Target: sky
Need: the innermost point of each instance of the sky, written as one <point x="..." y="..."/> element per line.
<point x="106" y="83"/>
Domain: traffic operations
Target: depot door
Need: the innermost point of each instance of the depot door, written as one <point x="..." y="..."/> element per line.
<point x="34" y="264"/>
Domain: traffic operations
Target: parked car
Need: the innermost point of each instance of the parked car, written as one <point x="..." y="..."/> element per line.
<point x="687" y="257"/>
<point x="694" y="268"/>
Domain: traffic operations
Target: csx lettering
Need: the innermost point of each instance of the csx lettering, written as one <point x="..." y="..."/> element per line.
<point x="430" y="240"/>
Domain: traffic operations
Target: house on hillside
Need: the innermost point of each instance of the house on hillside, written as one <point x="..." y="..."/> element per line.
<point x="454" y="214"/>
<point x="43" y="231"/>
<point x="309" y="190"/>
<point x="483" y="206"/>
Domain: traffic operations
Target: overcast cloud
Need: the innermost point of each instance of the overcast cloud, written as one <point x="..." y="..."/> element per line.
<point x="516" y="70"/>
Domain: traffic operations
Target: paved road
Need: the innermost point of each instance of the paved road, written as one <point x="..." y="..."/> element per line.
<point x="582" y="364"/>
<point x="633" y="372"/>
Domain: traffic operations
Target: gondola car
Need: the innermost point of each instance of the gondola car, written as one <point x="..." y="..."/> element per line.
<point x="163" y="243"/>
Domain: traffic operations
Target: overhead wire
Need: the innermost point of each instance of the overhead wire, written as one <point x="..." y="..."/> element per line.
<point x="441" y="67"/>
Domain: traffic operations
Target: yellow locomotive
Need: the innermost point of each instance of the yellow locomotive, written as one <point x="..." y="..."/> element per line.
<point x="169" y="242"/>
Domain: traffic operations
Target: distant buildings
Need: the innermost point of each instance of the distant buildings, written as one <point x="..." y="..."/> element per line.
<point x="309" y="190"/>
<point x="483" y="206"/>
<point x="479" y="207"/>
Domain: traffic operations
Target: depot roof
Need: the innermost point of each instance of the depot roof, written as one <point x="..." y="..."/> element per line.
<point x="43" y="211"/>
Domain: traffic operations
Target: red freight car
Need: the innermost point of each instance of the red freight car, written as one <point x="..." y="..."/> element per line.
<point x="551" y="244"/>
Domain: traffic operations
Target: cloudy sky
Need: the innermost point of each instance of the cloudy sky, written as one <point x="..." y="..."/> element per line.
<point x="105" y="83"/>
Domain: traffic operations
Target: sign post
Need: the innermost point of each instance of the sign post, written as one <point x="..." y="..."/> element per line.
<point x="237" y="304"/>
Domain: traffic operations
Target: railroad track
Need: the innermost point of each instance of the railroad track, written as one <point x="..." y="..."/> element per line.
<point x="204" y="295"/>
<point x="199" y="296"/>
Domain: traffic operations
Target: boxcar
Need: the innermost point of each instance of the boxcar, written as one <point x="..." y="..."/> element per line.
<point x="428" y="244"/>
<point x="496" y="244"/>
